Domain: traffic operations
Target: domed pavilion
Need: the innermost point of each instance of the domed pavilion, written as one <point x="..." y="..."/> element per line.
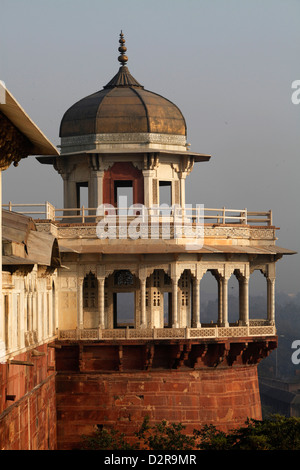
<point x="131" y="337"/>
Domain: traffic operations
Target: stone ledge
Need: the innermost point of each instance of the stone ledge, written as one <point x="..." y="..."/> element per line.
<point x="175" y="354"/>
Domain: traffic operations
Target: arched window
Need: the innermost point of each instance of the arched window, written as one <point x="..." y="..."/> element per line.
<point x="90" y="291"/>
<point x="209" y="298"/>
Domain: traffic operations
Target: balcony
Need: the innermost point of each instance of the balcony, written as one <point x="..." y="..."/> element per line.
<point x="83" y="215"/>
<point x="256" y="328"/>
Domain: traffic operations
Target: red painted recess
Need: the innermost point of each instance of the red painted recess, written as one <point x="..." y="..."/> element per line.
<point x="123" y="171"/>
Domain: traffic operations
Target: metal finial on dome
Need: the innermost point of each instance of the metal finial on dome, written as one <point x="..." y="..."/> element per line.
<point x="122" y="58"/>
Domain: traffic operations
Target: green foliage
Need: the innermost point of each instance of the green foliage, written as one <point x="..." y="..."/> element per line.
<point x="107" y="439"/>
<point x="210" y="438"/>
<point x="275" y="433"/>
<point x="165" y="437"/>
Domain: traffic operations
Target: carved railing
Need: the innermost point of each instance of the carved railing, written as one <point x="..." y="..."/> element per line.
<point x="85" y="214"/>
<point x="167" y="333"/>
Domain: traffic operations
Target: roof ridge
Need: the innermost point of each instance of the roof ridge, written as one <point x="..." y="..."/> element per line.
<point x="123" y="79"/>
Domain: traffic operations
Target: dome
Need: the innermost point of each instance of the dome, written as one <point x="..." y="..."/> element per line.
<point x="123" y="106"/>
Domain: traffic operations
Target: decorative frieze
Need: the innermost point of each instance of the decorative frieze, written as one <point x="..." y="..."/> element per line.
<point x="217" y="233"/>
<point x="93" y="141"/>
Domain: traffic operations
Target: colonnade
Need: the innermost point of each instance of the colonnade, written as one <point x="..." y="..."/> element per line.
<point x="29" y="308"/>
<point x="222" y="276"/>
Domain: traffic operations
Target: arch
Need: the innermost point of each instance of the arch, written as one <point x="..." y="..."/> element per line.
<point x="185" y="267"/>
<point x="209" y="297"/>
<point x="123" y="277"/>
<point x="122" y="299"/>
<point x="163" y="267"/>
<point x="258" y="299"/>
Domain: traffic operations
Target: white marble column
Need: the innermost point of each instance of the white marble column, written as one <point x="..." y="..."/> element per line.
<point x="148" y="196"/>
<point x="66" y="193"/>
<point x="220" y="300"/>
<point x="101" y="297"/>
<point x="271" y="300"/>
<point x="34" y="319"/>
<point x="29" y="311"/>
<point x="196" y="307"/>
<point x="244" y="300"/>
<point x="225" y="302"/>
<point x="80" y="302"/>
<point x="96" y="190"/>
<point x="70" y="196"/>
<point x="175" y="302"/>
<point x="182" y="178"/>
<point x="143" y="303"/>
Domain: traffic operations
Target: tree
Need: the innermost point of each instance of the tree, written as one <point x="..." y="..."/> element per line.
<point x="274" y="433"/>
<point x="107" y="439"/>
<point x="164" y="436"/>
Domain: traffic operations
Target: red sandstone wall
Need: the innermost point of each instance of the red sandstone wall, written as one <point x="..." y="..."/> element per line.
<point x="28" y="422"/>
<point x="224" y="397"/>
<point x="88" y="389"/>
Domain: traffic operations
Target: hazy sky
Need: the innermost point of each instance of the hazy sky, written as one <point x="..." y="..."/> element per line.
<point x="228" y="65"/>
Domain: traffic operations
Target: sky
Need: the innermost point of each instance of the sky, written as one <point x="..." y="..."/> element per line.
<point x="228" y="65"/>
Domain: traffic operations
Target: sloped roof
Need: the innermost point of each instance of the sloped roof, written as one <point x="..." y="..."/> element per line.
<point x="23" y="244"/>
<point x="20" y="119"/>
<point x="95" y="246"/>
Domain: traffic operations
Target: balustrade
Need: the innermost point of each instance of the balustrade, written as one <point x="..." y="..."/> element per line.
<point x="86" y="214"/>
<point x="212" y="331"/>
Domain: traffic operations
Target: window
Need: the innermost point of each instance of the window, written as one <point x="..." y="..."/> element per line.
<point x="156" y="299"/>
<point x="156" y="278"/>
<point x="90" y="291"/>
<point x="165" y="193"/>
<point x="184" y="279"/>
<point x="185" y="298"/>
<point x="82" y="194"/>
<point x="123" y="309"/>
<point x="123" y="190"/>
